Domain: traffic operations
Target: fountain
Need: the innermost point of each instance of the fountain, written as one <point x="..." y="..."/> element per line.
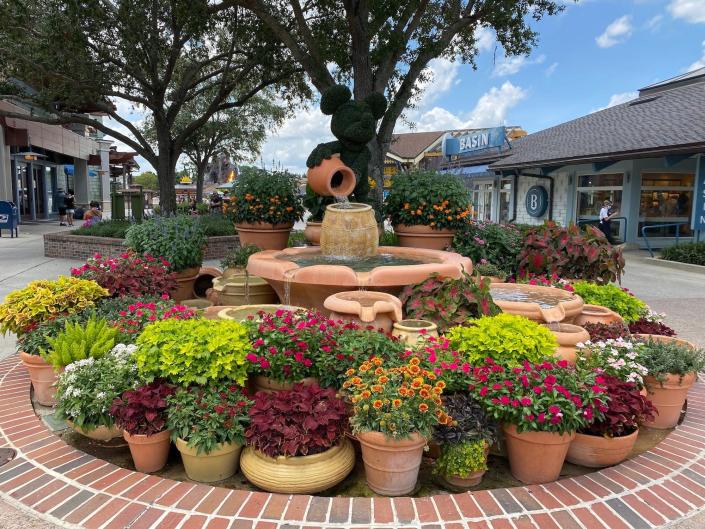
<point x="538" y="303"/>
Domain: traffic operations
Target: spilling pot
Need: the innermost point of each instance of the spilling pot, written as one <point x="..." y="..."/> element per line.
<point x="568" y="337"/>
<point x="264" y="235"/>
<point x="391" y="465"/>
<point x="217" y="465"/>
<point x="368" y="308"/>
<point x="100" y="433"/>
<point x="312" y="232"/>
<point x="299" y="475"/>
<point x="149" y="452"/>
<point x="536" y="457"/>
<point x="331" y="178"/>
<point x="185" y="281"/>
<point x="420" y="236"/>
<point x="243" y="289"/>
<point x="596" y="314"/>
<point x="43" y="378"/>
<point x="411" y="331"/>
<point x="598" y="451"/>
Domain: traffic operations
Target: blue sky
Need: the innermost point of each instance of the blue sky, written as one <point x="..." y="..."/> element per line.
<point x="594" y="54"/>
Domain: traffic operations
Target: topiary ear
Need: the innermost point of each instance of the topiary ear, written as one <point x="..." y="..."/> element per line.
<point x="377" y="103"/>
<point x="333" y="98"/>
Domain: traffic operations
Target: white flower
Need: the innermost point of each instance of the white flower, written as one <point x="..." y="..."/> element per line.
<point x="100" y="395"/>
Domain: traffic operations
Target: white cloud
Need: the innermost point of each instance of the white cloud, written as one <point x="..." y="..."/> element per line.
<point x="484" y="39"/>
<point x="700" y="63"/>
<point x="654" y="22"/>
<point x="551" y="69"/>
<point x="692" y="11"/>
<point x="618" y="31"/>
<point x="618" y="99"/>
<point x="511" y="65"/>
<point x="442" y="75"/>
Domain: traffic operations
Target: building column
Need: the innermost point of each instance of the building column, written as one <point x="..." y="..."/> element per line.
<point x="6" y="175"/>
<point x="80" y="182"/>
<point x="104" y="175"/>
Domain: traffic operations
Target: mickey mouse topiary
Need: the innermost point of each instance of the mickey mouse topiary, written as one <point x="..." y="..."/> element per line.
<point x="354" y="124"/>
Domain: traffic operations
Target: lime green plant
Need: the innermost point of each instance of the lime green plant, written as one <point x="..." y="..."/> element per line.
<point x="506" y="338"/>
<point x="193" y="351"/>
<point x="78" y="341"/>
<point x="613" y="297"/>
<point x="462" y="459"/>
<point x="45" y="300"/>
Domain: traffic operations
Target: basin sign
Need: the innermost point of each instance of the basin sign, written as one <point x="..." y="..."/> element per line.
<point x="536" y="201"/>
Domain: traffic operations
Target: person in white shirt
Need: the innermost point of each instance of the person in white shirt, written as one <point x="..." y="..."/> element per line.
<point x="606" y="215"/>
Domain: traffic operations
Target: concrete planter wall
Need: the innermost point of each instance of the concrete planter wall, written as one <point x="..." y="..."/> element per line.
<point x="82" y="247"/>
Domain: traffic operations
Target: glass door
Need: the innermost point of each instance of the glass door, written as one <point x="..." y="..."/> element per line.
<point x="593" y="190"/>
<point x="666" y="198"/>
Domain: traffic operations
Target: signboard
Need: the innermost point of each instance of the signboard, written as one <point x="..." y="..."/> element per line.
<point x="536" y="201"/>
<point x="698" y="220"/>
<point x="474" y="141"/>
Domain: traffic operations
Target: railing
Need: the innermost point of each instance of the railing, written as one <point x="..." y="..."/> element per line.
<point x="655" y="226"/>
<point x="597" y="221"/>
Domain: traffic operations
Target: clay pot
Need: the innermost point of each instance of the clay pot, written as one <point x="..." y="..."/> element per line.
<point x="149" y="452"/>
<point x="568" y="337"/>
<point x="332" y="178"/>
<point x="43" y="378"/>
<point x="185" y="281"/>
<point x="204" y="280"/>
<point x="598" y="451"/>
<point x="217" y="465"/>
<point x="312" y="232"/>
<point x="596" y="314"/>
<point x="391" y="465"/>
<point x="243" y="312"/>
<point x="523" y="300"/>
<point x="471" y="480"/>
<point x="349" y="231"/>
<point x="270" y="385"/>
<point x="377" y="309"/>
<point x="411" y="331"/>
<point x="420" y="236"/>
<point x="264" y="235"/>
<point x="536" y="457"/>
<point x="299" y="475"/>
<point x="100" y="433"/>
<point x="244" y="289"/>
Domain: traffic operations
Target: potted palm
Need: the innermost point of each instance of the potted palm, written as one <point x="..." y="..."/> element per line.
<point x="141" y="413"/>
<point x="266" y="205"/>
<point x="296" y="441"/>
<point x="673" y="365"/>
<point x="426" y="208"/>
<point x="178" y="241"/>
<point x="610" y="439"/>
<point x="541" y="407"/>
<point x="78" y="340"/>
<point x="208" y="424"/>
<point x="394" y="412"/>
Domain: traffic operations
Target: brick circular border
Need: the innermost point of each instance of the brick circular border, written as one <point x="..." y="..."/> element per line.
<point x="73" y="489"/>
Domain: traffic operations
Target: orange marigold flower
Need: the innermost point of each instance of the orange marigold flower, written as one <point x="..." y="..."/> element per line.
<point x="377" y="388"/>
<point x="410" y="393"/>
<point x="414" y="361"/>
<point x="346" y="384"/>
<point x="402" y="392"/>
<point x="437" y="401"/>
<point x="350" y="372"/>
<point x="379" y="371"/>
<point x="355" y="380"/>
<point x="415" y="370"/>
<point x="424" y="393"/>
<point x="396" y="403"/>
<point x="417" y="382"/>
<point x="383" y="379"/>
<point x="437" y="390"/>
<point x="440" y="384"/>
<point x="423" y="407"/>
<point x="431" y="376"/>
<point x="427" y="386"/>
<point x="366" y="394"/>
<point x="377" y="361"/>
<point x="377" y="404"/>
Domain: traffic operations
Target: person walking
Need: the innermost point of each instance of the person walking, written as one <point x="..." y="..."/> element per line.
<point x="606" y="214"/>
<point x="61" y="206"/>
<point x="70" y="202"/>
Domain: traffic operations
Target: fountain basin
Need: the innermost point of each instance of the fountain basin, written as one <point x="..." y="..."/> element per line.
<point x="541" y="304"/>
<point x="314" y="277"/>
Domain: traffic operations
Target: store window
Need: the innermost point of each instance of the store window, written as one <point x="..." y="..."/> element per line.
<point x="593" y="190"/>
<point x="505" y="197"/>
<point x="666" y="198"/>
<point x="482" y="200"/>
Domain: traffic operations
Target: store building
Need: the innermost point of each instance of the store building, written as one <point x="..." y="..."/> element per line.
<point x="645" y="155"/>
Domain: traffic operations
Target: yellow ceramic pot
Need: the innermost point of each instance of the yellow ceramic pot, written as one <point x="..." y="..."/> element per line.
<point x="216" y="465"/>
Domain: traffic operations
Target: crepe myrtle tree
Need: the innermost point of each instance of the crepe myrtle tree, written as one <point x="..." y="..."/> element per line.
<point x="79" y="61"/>
<point x="385" y="46"/>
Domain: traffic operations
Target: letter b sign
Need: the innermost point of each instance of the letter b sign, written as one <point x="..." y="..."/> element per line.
<point x="536" y="201"/>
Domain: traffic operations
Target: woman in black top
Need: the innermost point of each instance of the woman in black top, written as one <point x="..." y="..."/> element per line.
<point x="70" y="202"/>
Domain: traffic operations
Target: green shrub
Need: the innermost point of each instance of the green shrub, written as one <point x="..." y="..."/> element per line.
<point x="193" y="351"/>
<point x="489" y="270"/>
<point x="238" y="258"/>
<point x="216" y="225"/>
<point x="692" y="253"/>
<point x="79" y="341"/>
<point x="506" y="338"/>
<point x="670" y="357"/>
<point x="105" y="228"/>
<point x="388" y="238"/>
<point x="462" y="459"/>
<point x="613" y="297"/>
<point x="180" y="240"/>
<point x="297" y="238"/>
<point x="498" y="244"/>
<point x="266" y="196"/>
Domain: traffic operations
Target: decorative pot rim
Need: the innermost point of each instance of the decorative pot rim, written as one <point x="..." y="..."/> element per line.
<point x="596" y="310"/>
<point x="33" y="360"/>
<point x="143" y="439"/>
<point x="219" y="450"/>
<point x="404" y="325"/>
<point x="383" y="302"/>
<point x="546" y="438"/>
<point x="423" y="230"/>
<point x="188" y="273"/>
<point x="303" y="460"/>
<point x="629" y="437"/>
<point x="378" y="439"/>
<point x="264" y="226"/>
<point x="672" y="381"/>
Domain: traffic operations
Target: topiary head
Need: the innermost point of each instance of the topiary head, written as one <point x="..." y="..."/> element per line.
<point x="353" y="122"/>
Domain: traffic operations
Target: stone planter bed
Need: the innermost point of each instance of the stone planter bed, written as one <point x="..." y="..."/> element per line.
<point x="82" y="247"/>
<point x="72" y="488"/>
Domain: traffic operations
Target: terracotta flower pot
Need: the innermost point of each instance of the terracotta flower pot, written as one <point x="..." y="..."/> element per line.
<point x="568" y="337"/>
<point x="597" y="451"/>
<point x="100" y="433"/>
<point x="299" y="475"/>
<point x="204" y="280"/>
<point x="596" y="314"/>
<point x="420" y="236"/>
<point x="471" y="480"/>
<point x="199" y="304"/>
<point x="43" y="378"/>
<point x="366" y="307"/>
<point x="270" y="385"/>
<point x="312" y="232"/>
<point x="217" y="465"/>
<point x="264" y="235"/>
<point x="149" y="452"/>
<point x="536" y="457"/>
<point x="668" y="398"/>
<point x="244" y="289"/>
<point x="391" y="465"/>
<point x="185" y="281"/>
<point x="332" y="178"/>
<point x="411" y="331"/>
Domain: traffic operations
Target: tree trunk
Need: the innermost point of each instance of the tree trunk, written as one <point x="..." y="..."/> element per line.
<point x="376" y="168"/>
<point x="200" y="177"/>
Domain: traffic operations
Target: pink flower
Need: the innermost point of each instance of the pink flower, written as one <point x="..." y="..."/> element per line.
<point x="504" y="399"/>
<point x="541" y="418"/>
<point x="554" y="410"/>
<point x="526" y="401"/>
<point x="483" y="391"/>
<point x="555" y="419"/>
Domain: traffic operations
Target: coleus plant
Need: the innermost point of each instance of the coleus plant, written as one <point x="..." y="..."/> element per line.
<point x="302" y="421"/>
<point x="142" y="411"/>
<point x="449" y="302"/>
<point x="647" y="326"/>
<point x="606" y="331"/>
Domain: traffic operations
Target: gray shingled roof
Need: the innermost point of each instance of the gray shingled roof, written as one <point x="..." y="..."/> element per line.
<point x="668" y="122"/>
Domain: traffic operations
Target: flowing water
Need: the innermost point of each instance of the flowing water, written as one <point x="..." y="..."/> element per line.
<point x="288" y="276"/>
<point x="359" y="264"/>
<point x="343" y="202"/>
<point x="545" y="300"/>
